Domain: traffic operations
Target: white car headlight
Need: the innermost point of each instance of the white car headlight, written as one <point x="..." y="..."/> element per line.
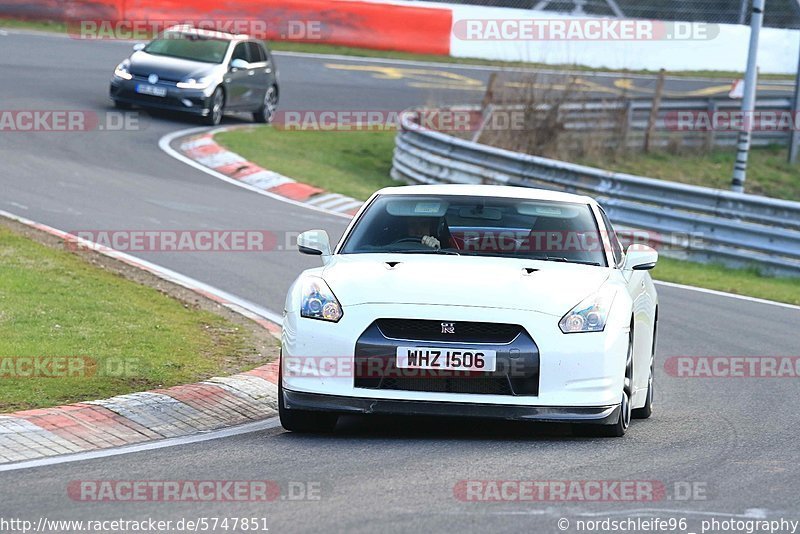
<point x="590" y="315"/>
<point x="121" y="71"/>
<point x="192" y="83"/>
<point x="319" y="302"/>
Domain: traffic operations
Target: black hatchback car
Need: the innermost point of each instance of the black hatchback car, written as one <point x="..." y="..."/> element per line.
<point x="201" y="72"/>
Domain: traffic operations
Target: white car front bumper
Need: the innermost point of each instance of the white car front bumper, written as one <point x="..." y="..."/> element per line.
<point x="580" y="376"/>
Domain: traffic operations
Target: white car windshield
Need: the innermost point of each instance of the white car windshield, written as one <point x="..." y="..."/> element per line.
<point x="479" y="226"/>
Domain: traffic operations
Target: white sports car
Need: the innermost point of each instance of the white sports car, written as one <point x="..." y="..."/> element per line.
<point x="480" y="301"/>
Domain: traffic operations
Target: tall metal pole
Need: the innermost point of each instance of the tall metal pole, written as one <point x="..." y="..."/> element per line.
<point x="794" y="137"/>
<point x="743" y="11"/>
<point x="748" y="102"/>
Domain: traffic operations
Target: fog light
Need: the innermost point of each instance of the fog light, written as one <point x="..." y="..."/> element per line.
<point x="186" y="102"/>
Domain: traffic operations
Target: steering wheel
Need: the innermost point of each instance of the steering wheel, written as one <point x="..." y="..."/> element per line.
<point x="406" y="240"/>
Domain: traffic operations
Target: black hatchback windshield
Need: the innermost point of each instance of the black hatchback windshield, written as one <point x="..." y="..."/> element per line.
<point x="189" y="46"/>
<point x="479" y="226"/>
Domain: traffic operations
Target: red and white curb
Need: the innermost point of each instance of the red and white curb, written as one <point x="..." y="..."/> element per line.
<point x="204" y="150"/>
<point x="186" y="410"/>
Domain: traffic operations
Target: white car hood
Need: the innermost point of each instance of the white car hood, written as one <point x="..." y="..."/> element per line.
<point x="554" y="288"/>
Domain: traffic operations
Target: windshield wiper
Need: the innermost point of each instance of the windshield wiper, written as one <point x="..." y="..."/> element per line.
<point x="423" y="251"/>
<point x="565" y="260"/>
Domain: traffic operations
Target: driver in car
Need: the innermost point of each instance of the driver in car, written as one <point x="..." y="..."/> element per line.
<point x="426" y="229"/>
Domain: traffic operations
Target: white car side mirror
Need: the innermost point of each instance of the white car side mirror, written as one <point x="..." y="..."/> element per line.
<point x="239" y="64"/>
<point x="316" y="243"/>
<point x="138" y="46"/>
<point x="640" y="258"/>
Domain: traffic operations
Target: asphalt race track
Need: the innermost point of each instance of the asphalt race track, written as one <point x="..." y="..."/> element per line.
<point x="734" y="440"/>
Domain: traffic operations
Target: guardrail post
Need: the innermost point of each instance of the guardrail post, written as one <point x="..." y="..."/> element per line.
<point x="794" y="133"/>
<point x="711" y="133"/>
<point x="626" y="124"/>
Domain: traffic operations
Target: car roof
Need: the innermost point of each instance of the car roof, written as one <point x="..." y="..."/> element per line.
<point x="503" y="191"/>
<point x="189" y="29"/>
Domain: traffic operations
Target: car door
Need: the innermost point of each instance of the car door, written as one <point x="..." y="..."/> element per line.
<point x="636" y="282"/>
<point x="260" y="78"/>
<point x="237" y="80"/>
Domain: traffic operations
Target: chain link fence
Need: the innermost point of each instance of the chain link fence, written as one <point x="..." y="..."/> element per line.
<point x="777" y="14"/>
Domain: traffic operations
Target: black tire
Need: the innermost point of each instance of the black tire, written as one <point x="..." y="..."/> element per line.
<point x="266" y="112"/>
<point x="647" y="410"/>
<point x="303" y="421"/>
<point x="618" y="429"/>
<point x="122" y="105"/>
<point x="217" y="109"/>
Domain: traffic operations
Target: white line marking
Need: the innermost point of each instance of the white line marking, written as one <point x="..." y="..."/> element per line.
<point x="336" y="204"/>
<point x="352" y="205"/>
<point x="729" y="295"/>
<point x="320" y="199"/>
<point x="246" y="428"/>
<point x="164" y="144"/>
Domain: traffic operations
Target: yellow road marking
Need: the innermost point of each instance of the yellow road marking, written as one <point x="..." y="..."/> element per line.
<point x="442" y="79"/>
<point x="627" y="85"/>
<point x="426" y="78"/>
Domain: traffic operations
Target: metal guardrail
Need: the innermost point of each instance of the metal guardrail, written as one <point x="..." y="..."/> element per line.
<point x="625" y="122"/>
<point x="698" y="223"/>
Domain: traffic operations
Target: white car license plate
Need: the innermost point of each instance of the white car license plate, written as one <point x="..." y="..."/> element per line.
<point x="448" y="359"/>
<point x="151" y="90"/>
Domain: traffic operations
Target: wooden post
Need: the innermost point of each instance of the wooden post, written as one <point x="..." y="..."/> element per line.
<point x="651" y="121"/>
<point x="488" y="96"/>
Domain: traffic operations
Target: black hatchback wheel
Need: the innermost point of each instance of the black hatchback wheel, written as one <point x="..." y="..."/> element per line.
<point x="217" y="108"/>
<point x="266" y="112"/>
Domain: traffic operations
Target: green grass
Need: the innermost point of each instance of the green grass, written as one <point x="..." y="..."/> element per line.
<point x="358" y="163"/>
<point x="320" y="48"/>
<point x="353" y="163"/>
<point x="54" y="303"/>
<point x="768" y="172"/>
<point x="38" y="25"/>
<point x="739" y="281"/>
